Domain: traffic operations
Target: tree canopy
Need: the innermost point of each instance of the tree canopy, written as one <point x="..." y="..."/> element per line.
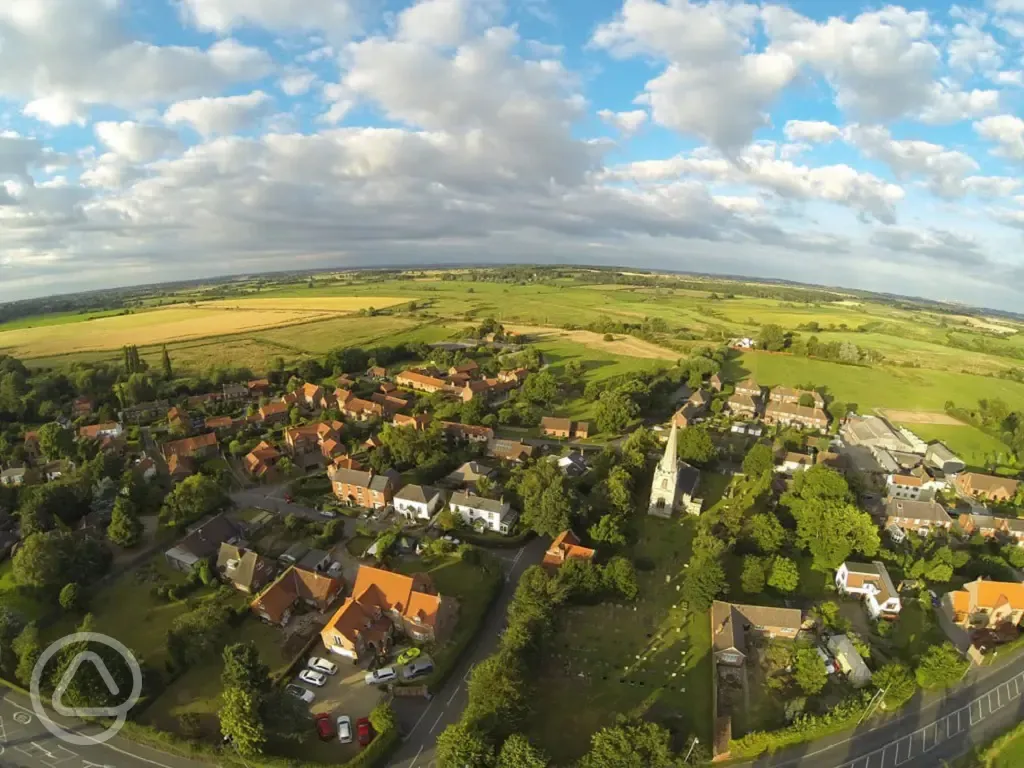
<point x="192" y="499"/>
<point x="547" y="499"/>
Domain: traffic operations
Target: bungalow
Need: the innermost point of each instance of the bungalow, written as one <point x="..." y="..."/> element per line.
<point x="480" y="512"/>
<point x="564" y="428"/>
<point x="742" y="404"/>
<point x="468" y="433"/>
<point x="277" y="602"/>
<point x="904" y="487"/>
<point x="790" y="396"/>
<point x="202" y="542"/>
<point x="420" y="381"/>
<point x="383" y="602"/>
<point x="988" y="487"/>
<point x="198" y="447"/>
<point x="245" y="570"/>
<point x="730" y="623"/>
<point x="566" y="546"/>
<point x="418" y="502"/>
<point x="750" y="388"/>
<point x="509" y="450"/>
<point x="98" y="431"/>
<point x="262" y="459"/>
<point x="872" y="581"/>
<point x="418" y="422"/>
<point x="274" y="413"/>
<point x="789" y="414"/>
<point x="365" y="489"/>
<point x="985" y="604"/>
<point x="920" y="516"/>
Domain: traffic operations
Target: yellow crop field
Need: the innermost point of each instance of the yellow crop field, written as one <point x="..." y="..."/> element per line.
<point x="343" y="304"/>
<point x="626" y="346"/>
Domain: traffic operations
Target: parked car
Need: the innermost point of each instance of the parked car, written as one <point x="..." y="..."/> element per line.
<point x="417" y="668"/>
<point x="322" y="665"/>
<point x="313" y="677"/>
<point x="300" y="693"/>
<point x="324" y="726"/>
<point x="364" y="731"/>
<point x="382" y="675"/>
<point x="325" y="512"/>
<point x="289" y="498"/>
<point x="407" y="655"/>
<point x="452" y="539"/>
<point x="344" y="729"/>
<point x="335" y="569"/>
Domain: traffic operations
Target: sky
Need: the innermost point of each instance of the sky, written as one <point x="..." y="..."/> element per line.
<point x="878" y="147"/>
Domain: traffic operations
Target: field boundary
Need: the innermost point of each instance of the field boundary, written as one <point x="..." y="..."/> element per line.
<point x="921" y="417"/>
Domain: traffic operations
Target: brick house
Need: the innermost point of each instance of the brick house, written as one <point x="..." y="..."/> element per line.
<point x="989" y="526"/>
<point x="920" y="516"/>
<point x="198" y="447"/>
<point x="789" y="414"/>
<point x="988" y="487"/>
<point x="99" y="431"/>
<point x="566" y="546"/>
<point x="469" y="433"/>
<point x="790" y="396"/>
<point x="385" y="603"/>
<point x="873" y="582"/>
<point x="262" y="459"/>
<point x="418" y="422"/>
<point x="277" y="602"/>
<point x="364" y="488"/>
<point x="258" y="387"/>
<point x="731" y="622"/>
<point x="309" y="438"/>
<point x="274" y="413"/>
<point x="743" y="405"/>
<point x="748" y="387"/>
<point x="421" y="382"/>
<point x="564" y="428"/>
<point x="904" y="486"/>
<point x="81" y="406"/>
<point x="985" y="604"/>
<point x="357" y="409"/>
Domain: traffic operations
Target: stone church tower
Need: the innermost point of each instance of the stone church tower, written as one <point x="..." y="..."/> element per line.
<point x="665" y="486"/>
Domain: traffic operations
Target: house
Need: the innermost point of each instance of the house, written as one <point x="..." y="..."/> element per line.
<point x="920" y="516"/>
<point x="389" y="404"/>
<point x="515" y="376"/>
<point x="365" y="489"/>
<point x="872" y="581"/>
<point x="873" y="432"/>
<point x="301" y="440"/>
<point x="310" y="395"/>
<point x="361" y="410"/>
<point x="331" y="448"/>
<point x="262" y="459"/>
<point x="277" y="602"/>
<point x="989" y="526"/>
<point x="245" y="570"/>
<point x="274" y="413"/>
<point x="941" y="458"/>
<point x="750" y="388"/>
<point x="791" y="415"/>
<point x="468" y="433"/>
<point x="180" y="467"/>
<point x="98" y="431"/>
<point x="13" y="477"/>
<point x="81" y="407"/>
<point x="387" y="387"/>
<point x="372" y="442"/>
<point x="383" y="603"/>
<point x="572" y="464"/>
<point x="418" y="502"/>
<point x="197" y="401"/>
<point x="904" y="486"/>
<point x="202" y="542"/>
<point x="790" y="396"/>
<point x="54" y="470"/>
<point x="794" y="462"/>
<point x="315" y="560"/>
<point x="674" y="484"/>
<point x="836" y="461"/>
<point x="731" y="622"/>
<point x="418" y="422"/>
<point x="233" y="393"/>
<point x="468" y="474"/>
<point x="137" y="414"/>
<point x="566" y="546"/>
<point x="509" y="450"/>
<point x="345" y="462"/>
<point x="985" y="604"/>
<point x="743" y="405"/>
<point x="480" y="512"/>
<point x="564" y="428"/>
<point x="31" y="444"/>
<point x="198" y="447"/>
<point x="716" y="382"/>
<point x="986" y="487"/>
<point x="258" y="387"/>
<point x="221" y="424"/>
<point x="850" y="662"/>
<point x="345" y="381"/>
<point x="179" y="419"/>
<point x="377" y="372"/>
<point x="420" y="381"/>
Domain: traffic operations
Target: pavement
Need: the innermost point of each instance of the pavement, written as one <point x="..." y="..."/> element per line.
<point x="26" y="743"/>
<point x="271" y="497"/>
<point x="422" y="721"/>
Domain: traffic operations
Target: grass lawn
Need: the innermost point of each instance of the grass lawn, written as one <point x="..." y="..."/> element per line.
<point x="671" y="682"/>
<point x="712" y="487"/>
<point x="977" y="448"/>
<point x="17" y="599"/>
<point x="1011" y="754"/>
<point x="357" y="545"/>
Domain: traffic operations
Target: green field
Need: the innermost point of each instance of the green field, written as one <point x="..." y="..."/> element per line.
<point x="977" y="448"/>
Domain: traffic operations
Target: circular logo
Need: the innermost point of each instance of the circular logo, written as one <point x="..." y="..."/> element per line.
<point x="119" y="713"/>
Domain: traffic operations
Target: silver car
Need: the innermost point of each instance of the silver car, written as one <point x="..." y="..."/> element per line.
<point x="345" y="729"/>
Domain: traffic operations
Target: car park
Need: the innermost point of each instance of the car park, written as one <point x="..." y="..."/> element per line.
<point x="364" y="731"/>
<point x="313" y="677"/>
<point x="417" y="668"/>
<point x="324" y="726"/>
<point x="382" y="675"/>
<point x="300" y="693"/>
<point x="322" y="665"/>
<point x="344" y="729"/>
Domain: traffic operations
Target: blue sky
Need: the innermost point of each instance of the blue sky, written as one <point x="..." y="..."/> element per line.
<point x="876" y="147"/>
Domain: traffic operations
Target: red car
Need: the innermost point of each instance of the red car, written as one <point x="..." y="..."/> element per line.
<point x="288" y="498"/>
<point x="364" y="731"/>
<point x="324" y="726"/>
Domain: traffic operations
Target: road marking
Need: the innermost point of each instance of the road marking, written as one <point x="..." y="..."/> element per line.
<point x="420" y="752"/>
<point x="455" y="693"/>
<point x="434" y="726"/>
<point x="23" y="718"/>
<point x="417" y="725"/>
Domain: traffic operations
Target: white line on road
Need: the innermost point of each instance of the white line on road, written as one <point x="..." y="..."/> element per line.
<point x="518" y="555"/>
<point x="420" y="752"/>
<point x="454" y="693"/>
<point x="434" y="726"/>
<point x="413" y="729"/>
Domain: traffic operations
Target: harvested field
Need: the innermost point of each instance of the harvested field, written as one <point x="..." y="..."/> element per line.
<point x="921" y="417"/>
<point x="343" y="304"/>
<point x="623" y="345"/>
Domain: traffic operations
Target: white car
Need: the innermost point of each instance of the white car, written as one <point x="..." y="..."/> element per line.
<point x="300" y="693"/>
<point x="313" y="677"/>
<point x="345" y="729"/>
<point x="334" y="570"/>
<point x="382" y="675"/>
<point x="322" y="665"/>
<point x="328" y="513"/>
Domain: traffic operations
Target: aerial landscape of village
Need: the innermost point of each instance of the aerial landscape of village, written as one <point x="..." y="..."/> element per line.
<point x="517" y="516"/>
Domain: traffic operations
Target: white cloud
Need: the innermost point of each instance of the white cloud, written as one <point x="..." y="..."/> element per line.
<point x="221" y="115"/>
<point x="815" y="131"/>
<point x="338" y="18"/>
<point x="626" y="123"/>
<point x="1007" y="131"/>
<point x="973" y="49"/>
<point x="992" y="186"/>
<point x="296" y="82"/>
<point x="136" y="142"/>
<point x="446" y="23"/>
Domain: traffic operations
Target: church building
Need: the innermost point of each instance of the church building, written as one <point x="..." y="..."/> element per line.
<point x="675" y="483"/>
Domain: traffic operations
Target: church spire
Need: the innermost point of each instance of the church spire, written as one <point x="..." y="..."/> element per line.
<point x="669" y="462"/>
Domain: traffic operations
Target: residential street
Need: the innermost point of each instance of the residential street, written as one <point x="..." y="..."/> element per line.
<point x="25" y="743"/>
<point x="271" y="497"/>
<point x="422" y="721"/>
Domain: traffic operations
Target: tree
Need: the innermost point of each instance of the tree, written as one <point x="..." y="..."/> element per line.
<point x="619" y="576"/>
<point x="704" y="581"/>
<point x="547" y="500"/>
<point x="87" y="688"/>
<point x="694" y="445"/>
<point x="809" y="670"/>
<point x="484" y="486"/>
<point x="785" y="576"/>
<point x="618" y="489"/>
<point x="630" y="744"/>
<point x="828" y="525"/>
<point x="806" y="400"/>
<point x="11" y="625"/>
<point x="244" y="669"/>
<point x="767" y="532"/>
<point x="752" y="577"/>
<point x="463" y="746"/>
<point x="240" y="721"/>
<point x="608" y="529"/>
<point x="614" y="411"/>
<point x="518" y="752"/>
<point x="896" y="679"/>
<point x="71" y="597"/>
<point x="125" y="528"/>
<point x="56" y="442"/>
<point x="758" y="461"/>
<point x="28" y="647"/>
<point x="166" y="362"/>
<point x="772" y="338"/>
<point x="193" y="498"/>
<point x="49" y="560"/>
<point x="940" y="666"/>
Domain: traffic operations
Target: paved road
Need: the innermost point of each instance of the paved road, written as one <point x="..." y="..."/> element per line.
<point x="25" y="743"/>
<point x="939" y="728"/>
<point x="271" y="497"/>
<point x="424" y="721"/>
